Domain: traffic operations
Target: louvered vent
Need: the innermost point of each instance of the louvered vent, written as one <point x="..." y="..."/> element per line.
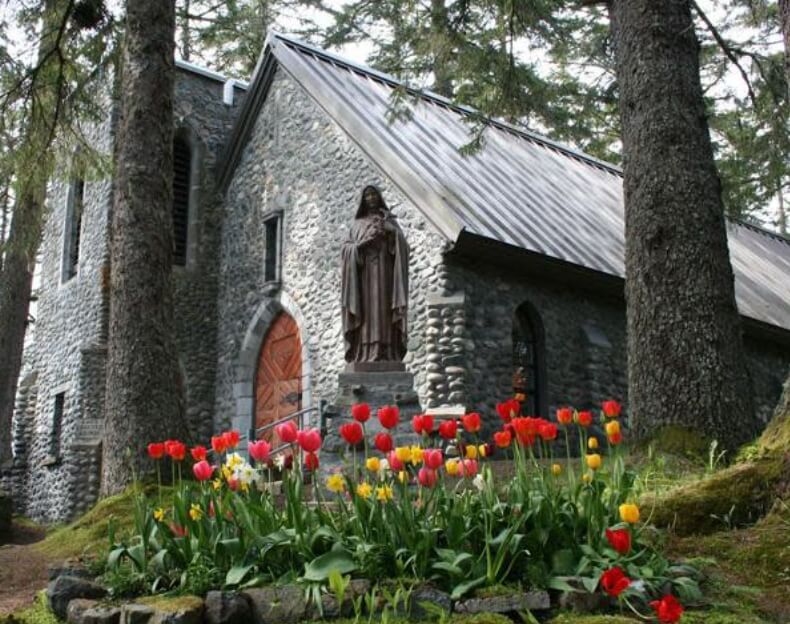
<point x="182" y="162"/>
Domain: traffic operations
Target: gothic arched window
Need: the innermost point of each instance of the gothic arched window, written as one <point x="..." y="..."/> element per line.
<point x="529" y="376"/>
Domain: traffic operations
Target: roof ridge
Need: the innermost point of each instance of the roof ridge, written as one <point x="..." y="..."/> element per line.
<point x="463" y="109"/>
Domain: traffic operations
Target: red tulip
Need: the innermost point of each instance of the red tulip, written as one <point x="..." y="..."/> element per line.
<point x="156" y="450"/>
<point x="259" y="450"/>
<point x="468" y="468"/>
<point x="383" y="442"/>
<point x="394" y="462"/>
<point x="426" y="477"/>
<point x="471" y="422"/>
<point x="311" y="461"/>
<point x="422" y="424"/>
<point x="287" y="431"/>
<point x="360" y="412"/>
<point x="218" y="444"/>
<point x="199" y="453"/>
<point x="565" y="415"/>
<point x="389" y="415"/>
<point x="611" y="409"/>
<point x="584" y="418"/>
<point x="448" y="429"/>
<point x="203" y="470"/>
<point x="178" y="530"/>
<point x="231" y="439"/>
<point x="310" y="439"/>
<point x="614" y="581"/>
<point x="432" y="458"/>
<point x="352" y="433"/>
<point x="668" y="609"/>
<point x="503" y="438"/>
<point x="548" y="431"/>
<point x="508" y="410"/>
<point x="175" y="449"/>
<point x="619" y="539"/>
<point x="234" y="484"/>
<point x="615" y="438"/>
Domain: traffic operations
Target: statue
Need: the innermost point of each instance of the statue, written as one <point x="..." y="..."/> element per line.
<point x="375" y="284"/>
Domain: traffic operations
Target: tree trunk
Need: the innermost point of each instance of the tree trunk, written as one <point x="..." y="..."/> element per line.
<point x="685" y="355"/>
<point x="441" y="49"/>
<point x="144" y="387"/>
<point x="16" y="281"/>
<point x="784" y="17"/>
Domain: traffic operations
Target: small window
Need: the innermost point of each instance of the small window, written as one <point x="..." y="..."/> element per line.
<point x="182" y="170"/>
<point x="271" y="258"/>
<point x="57" y="424"/>
<point x="528" y="360"/>
<point x="73" y="228"/>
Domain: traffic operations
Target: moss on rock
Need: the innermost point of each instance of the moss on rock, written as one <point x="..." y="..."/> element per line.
<point x="574" y="618"/>
<point x="680" y="441"/>
<point x="172" y="604"/>
<point x="37" y="613"/>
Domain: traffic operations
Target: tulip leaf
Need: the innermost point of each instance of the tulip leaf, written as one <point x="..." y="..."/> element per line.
<point x="560" y="583"/>
<point x="114" y="558"/>
<point x="467" y="586"/>
<point x="320" y="567"/>
<point x="236" y="574"/>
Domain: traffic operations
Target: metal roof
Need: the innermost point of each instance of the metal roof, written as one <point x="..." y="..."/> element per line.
<point x="521" y="189"/>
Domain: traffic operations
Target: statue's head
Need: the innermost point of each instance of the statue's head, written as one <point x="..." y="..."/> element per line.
<point x="371" y="202"/>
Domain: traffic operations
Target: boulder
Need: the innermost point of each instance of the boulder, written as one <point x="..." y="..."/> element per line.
<point x="519" y="601"/>
<point x="136" y="614"/>
<point x="427" y="593"/>
<point x="64" y="589"/>
<point x="69" y="568"/>
<point x="165" y="610"/>
<point x="227" y="608"/>
<point x="277" y="605"/>
<point x="329" y="607"/>
<point x="84" y="611"/>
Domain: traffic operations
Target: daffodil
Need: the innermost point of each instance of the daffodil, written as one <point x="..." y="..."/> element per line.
<point x="336" y="483"/>
<point x="384" y="493"/>
<point x="415" y="455"/>
<point x="159" y="514"/>
<point x="364" y="490"/>
<point x="195" y="512"/>
<point x="216" y="484"/>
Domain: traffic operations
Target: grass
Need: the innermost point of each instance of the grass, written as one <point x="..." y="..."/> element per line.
<point x="37" y="613"/>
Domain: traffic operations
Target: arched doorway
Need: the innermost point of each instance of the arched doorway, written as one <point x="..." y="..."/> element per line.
<point x="278" y="378"/>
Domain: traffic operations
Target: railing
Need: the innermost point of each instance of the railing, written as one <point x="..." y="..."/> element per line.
<point x="299" y="416"/>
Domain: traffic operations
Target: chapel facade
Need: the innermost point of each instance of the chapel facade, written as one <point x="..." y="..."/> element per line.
<point x="515" y="271"/>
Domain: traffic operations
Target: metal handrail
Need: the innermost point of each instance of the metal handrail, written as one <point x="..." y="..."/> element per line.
<point x="253" y="432"/>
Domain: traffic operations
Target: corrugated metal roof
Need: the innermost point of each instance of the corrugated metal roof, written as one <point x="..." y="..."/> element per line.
<point x="521" y="189"/>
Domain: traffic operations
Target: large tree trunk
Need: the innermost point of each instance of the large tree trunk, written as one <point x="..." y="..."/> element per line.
<point x="441" y="50"/>
<point x="685" y="355"/>
<point x="144" y="394"/>
<point x="16" y="281"/>
<point x="784" y="17"/>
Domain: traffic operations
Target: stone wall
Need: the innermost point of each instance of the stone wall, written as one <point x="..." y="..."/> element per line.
<point x="769" y="366"/>
<point x="298" y="161"/>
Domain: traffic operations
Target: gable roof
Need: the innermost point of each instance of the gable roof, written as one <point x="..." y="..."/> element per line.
<point x="521" y="189"/>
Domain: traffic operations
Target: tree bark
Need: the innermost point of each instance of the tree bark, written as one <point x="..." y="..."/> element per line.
<point x="144" y="387"/>
<point x="685" y="354"/>
<point x="441" y="49"/>
<point x="784" y="18"/>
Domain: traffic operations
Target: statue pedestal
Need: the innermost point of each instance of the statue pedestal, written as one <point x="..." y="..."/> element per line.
<point x="377" y="388"/>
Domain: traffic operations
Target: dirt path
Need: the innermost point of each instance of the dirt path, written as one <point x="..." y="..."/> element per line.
<point x="23" y="571"/>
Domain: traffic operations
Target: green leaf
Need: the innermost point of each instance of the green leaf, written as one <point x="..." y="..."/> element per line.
<point x="320" y="567"/>
<point x="114" y="558"/>
<point x="563" y="562"/>
<point x="590" y="583"/>
<point x="467" y="586"/>
<point x="560" y="583"/>
<point x="236" y="574"/>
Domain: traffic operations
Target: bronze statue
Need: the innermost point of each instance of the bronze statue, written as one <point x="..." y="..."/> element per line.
<point x="375" y="284"/>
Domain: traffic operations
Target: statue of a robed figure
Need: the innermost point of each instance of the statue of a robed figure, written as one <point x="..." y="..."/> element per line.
<point x="375" y="286"/>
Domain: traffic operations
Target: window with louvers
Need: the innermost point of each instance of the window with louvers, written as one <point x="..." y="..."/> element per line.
<point x="74" y="224"/>
<point x="528" y="359"/>
<point x="182" y="165"/>
<point x="57" y="424"/>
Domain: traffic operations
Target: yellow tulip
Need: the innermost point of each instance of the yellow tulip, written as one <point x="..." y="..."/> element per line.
<point x="403" y="453"/>
<point x="336" y="483"/>
<point x="384" y="493"/>
<point x="481" y="450"/>
<point x="416" y="455"/>
<point x="373" y="464"/>
<point x="593" y="461"/>
<point x="612" y="427"/>
<point x="452" y="466"/>
<point x="587" y="477"/>
<point x="364" y="490"/>
<point x="403" y="476"/>
<point x="159" y="514"/>
<point x="556" y="470"/>
<point x="629" y="513"/>
<point x="592" y="443"/>
<point x="471" y="452"/>
<point x="195" y="512"/>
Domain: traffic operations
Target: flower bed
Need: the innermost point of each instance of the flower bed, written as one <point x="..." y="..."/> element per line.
<point x="428" y="512"/>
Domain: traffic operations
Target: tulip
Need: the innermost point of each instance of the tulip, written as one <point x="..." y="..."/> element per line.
<point x="394" y="462"/>
<point x="508" y="410"/>
<point x="389" y="415"/>
<point x="231" y="439"/>
<point x="471" y="422"/>
<point x="178" y="530"/>
<point x="311" y="462"/>
<point x="584" y="418"/>
<point x="403" y="453"/>
<point x="156" y="450"/>
<point x="432" y="458"/>
<point x="383" y="442"/>
<point x="668" y="609"/>
<point x="611" y="409"/>
<point x="259" y="451"/>
<point x="360" y="412"/>
<point x="470" y="451"/>
<point x="287" y="431"/>
<point x="548" y="431"/>
<point x="468" y="468"/>
<point x="218" y="444"/>
<point x="592" y="443"/>
<point x="587" y="478"/>
<point x="351" y="432"/>
<point x="503" y="438"/>
<point x="448" y="429"/>
<point x="199" y="453"/>
<point x="422" y="424"/>
<point x="593" y="461"/>
<point x="426" y="477"/>
<point x="373" y="464"/>
<point x="615" y="439"/>
<point x="629" y="513"/>
<point x="556" y="470"/>
<point x="614" y="581"/>
<point x="310" y="439"/>
<point x="175" y="449"/>
<point x="612" y="428"/>
<point x="565" y="415"/>
<point x="619" y="539"/>
<point x="203" y="470"/>
<point x="452" y="466"/>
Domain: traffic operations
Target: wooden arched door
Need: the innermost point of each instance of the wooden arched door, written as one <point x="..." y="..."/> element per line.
<point x="278" y="380"/>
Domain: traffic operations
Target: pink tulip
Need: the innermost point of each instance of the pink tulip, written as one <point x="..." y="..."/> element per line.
<point x="203" y="470"/>
<point x="287" y="431"/>
<point x="394" y="462"/>
<point x="426" y="477"/>
<point x="309" y="440"/>
<point x="259" y="450"/>
<point x="432" y="458"/>
<point x="468" y="468"/>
